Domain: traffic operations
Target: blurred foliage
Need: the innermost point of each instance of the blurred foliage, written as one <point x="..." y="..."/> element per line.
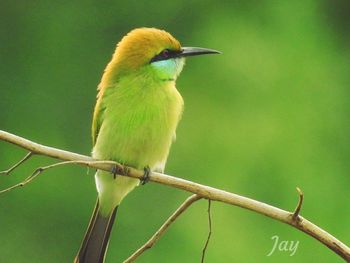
<point x="268" y="115"/>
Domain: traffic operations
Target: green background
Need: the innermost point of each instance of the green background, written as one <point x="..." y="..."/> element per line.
<point x="270" y="114"/>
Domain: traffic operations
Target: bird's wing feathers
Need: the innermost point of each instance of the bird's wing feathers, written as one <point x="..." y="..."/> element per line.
<point x="98" y="116"/>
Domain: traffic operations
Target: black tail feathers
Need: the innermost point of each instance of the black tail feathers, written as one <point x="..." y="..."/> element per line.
<point x="94" y="246"/>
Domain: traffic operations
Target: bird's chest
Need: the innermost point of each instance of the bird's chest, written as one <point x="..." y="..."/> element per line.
<point x="139" y="131"/>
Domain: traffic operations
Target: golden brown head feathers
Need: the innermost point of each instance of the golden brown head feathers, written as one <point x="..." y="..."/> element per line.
<point x="135" y="50"/>
<point x="140" y="45"/>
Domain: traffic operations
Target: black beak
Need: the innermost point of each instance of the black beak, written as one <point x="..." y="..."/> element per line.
<point x="196" y="51"/>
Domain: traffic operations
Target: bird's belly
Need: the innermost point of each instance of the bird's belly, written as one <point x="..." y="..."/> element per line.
<point x="144" y="145"/>
<point x="138" y="148"/>
<point x="141" y="145"/>
<point x="136" y="135"/>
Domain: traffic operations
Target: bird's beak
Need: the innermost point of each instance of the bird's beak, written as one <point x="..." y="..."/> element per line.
<point x="195" y="51"/>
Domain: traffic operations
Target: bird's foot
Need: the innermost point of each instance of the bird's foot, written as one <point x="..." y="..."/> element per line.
<point x="115" y="170"/>
<point x="120" y="170"/>
<point x="145" y="178"/>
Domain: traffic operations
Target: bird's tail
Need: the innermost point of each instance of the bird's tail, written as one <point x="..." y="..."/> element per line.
<point x="96" y="238"/>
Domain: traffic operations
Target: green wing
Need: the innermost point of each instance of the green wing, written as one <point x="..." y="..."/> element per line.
<point x="97" y="118"/>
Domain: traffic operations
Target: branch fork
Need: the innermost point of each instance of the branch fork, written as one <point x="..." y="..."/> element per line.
<point x="295" y="216"/>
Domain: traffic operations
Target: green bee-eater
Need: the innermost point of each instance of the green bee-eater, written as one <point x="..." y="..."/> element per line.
<point x="137" y="110"/>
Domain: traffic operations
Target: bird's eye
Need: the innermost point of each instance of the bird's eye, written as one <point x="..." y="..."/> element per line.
<point x="165" y="53"/>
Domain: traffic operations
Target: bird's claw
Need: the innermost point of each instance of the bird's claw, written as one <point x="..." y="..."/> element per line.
<point x="115" y="171"/>
<point x="145" y="178"/>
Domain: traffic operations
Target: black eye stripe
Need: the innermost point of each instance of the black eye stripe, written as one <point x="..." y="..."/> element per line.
<point x="166" y="54"/>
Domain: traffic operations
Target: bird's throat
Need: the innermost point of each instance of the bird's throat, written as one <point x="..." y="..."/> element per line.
<point x="168" y="70"/>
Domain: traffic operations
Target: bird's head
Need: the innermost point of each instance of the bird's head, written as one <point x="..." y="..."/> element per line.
<point x="154" y="51"/>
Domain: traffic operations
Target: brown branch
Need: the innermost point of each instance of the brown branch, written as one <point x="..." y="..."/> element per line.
<point x="23" y="183"/>
<point x="44" y="168"/>
<point x="299" y="205"/>
<point x="209" y="233"/>
<point x="204" y="191"/>
<point x="189" y="201"/>
<point x="10" y="170"/>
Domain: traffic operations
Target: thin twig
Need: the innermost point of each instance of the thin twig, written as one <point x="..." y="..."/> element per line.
<point x="24" y="182"/>
<point x="209" y="233"/>
<point x="296" y="212"/>
<point x="189" y="201"/>
<point x="207" y="192"/>
<point x="44" y="168"/>
<point x="25" y="158"/>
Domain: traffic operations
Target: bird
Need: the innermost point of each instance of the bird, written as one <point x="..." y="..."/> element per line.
<point x="134" y="122"/>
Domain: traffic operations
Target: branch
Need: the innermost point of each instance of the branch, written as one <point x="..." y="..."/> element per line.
<point x="189" y="201"/>
<point x="209" y="234"/>
<point x="204" y="191"/>
<point x="10" y="170"/>
<point x="44" y="168"/>
<point x="296" y="212"/>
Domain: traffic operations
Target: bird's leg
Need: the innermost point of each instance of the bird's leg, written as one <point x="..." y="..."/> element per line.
<point x="115" y="171"/>
<point x="119" y="170"/>
<point x="145" y="178"/>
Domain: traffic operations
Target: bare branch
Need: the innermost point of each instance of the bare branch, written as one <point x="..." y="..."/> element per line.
<point x="189" y="201"/>
<point x="25" y="158"/>
<point x="209" y="233"/>
<point x="204" y="191"/>
<point x="44" y="168"/>
<point x="299" y="205"/>
<point x="23" y="183"/>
